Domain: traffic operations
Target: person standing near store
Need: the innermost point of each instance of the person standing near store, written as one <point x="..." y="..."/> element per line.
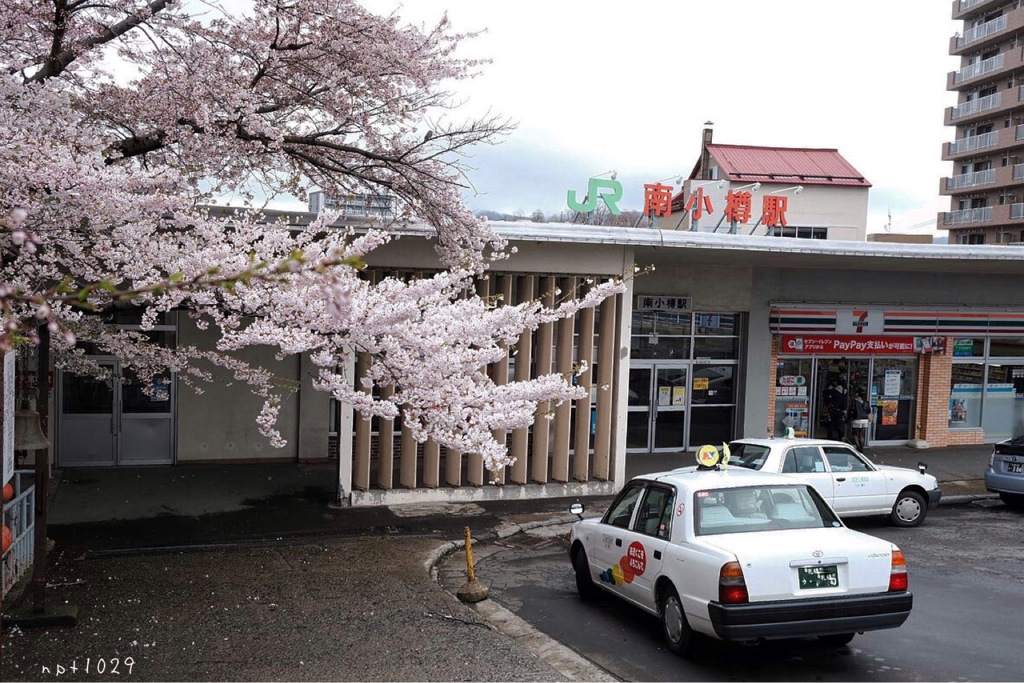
<point x="860" y="414"/>
<point x="827" y="398"/>
<point x="838" y="413"/>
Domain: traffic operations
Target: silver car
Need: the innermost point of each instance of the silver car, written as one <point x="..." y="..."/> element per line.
<point x="1005" y="473"/>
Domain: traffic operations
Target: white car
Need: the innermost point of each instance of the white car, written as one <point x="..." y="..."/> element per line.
<point x="852" y="484"/>
<point x="739" y="556"/>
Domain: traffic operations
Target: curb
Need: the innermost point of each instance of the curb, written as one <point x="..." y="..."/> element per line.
<point x="566" y="661"/>
<point x="966" y="498"/>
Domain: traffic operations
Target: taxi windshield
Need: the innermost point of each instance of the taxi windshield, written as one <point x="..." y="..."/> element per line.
<point x="761" y="508"/>
<point x="748" y="455"/>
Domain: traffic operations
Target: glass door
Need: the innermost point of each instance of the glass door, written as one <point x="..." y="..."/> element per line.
<point x="670" y="408"/>
<point x="638" y="412"/>
<point x="116" y="420"/>
<point x="87" y="427"/>
<point x="894" y="395"/>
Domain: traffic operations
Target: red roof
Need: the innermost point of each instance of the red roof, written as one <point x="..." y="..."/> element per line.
<point x="785" y="165"/>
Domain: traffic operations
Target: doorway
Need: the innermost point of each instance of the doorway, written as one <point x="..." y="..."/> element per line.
<point x="837" y="381"/>
<point x="114" y="421"/>
<point x="658" y="402"/>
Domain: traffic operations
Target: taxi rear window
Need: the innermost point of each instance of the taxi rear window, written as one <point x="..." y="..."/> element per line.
<point x="760" y="508"/>
<point x="748" y="455"/>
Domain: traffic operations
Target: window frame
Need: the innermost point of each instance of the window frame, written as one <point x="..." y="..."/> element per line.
<point x="852" y="453"/>
<point x="821" y="454"/>
<point x="641" y="484"/>
<point x="673" y="497"/>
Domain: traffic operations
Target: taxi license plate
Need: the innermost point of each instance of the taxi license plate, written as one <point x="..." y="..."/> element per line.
<point x="1015" y="467"/>
<point x="826" y="576"/>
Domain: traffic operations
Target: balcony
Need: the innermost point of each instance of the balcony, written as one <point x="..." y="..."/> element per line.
<point x="989" y="108"/>
<point x="977" y="179"/>
<point x="990" y="181"/>
<point x="989" y="34"/>
<point x="973" y="143"/>
<point x="981" y="31"/>
<point x="965" y="8"/>
<point x="966" y="216"/>
<point x="982" y="68"/>
<point x="978" y="105"/>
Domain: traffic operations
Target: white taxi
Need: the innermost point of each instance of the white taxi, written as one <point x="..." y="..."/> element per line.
<point x="740" y="556"/>
<point x="853" y="485"/>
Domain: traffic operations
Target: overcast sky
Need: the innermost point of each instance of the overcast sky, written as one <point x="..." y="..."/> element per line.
<point x="599" y="84"/>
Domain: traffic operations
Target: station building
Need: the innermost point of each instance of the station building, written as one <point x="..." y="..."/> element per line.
<point x="730" y="335"/>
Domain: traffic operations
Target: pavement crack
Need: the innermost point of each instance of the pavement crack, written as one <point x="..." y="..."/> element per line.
<point x="452" y="617"/>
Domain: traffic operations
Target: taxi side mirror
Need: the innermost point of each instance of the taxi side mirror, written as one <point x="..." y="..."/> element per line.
<point x="576" y="509"/>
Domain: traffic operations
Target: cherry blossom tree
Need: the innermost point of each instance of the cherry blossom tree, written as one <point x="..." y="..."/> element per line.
<point x="124" y="120"/>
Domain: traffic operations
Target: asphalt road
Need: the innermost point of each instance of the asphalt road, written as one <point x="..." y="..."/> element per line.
<point x="966" y="573"/>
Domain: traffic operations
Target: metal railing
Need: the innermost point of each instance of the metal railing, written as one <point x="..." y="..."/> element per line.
<point x="980" y="68"/>
<point x="968" y="4"/>
<point x="1018" y="172"/>
<point x="20" y="518"/>
<point x="978" y="141"/>
<point x="981" y="104"/>
<point x="971" y="179"/>
<point x="1016" y="211"/>
<point x="982" y="31"/>
<point x="968" y="216"/>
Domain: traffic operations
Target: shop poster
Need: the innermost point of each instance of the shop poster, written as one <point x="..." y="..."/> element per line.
<point x="664" y="396"/>
<point x="890" y="409"/>
<point x="893" y="380"/>
<point x="678" y="396"/>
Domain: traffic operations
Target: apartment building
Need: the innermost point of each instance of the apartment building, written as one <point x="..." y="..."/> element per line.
<point x="986" y="189"/>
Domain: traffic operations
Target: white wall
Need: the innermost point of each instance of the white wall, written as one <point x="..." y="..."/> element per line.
<point x="842" y="209"/>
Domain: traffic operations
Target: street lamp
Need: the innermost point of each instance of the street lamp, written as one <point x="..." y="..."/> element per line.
<point x="693" y="225"/>
<point x="590" y="216"/>
<point x="652" y="218"/>
<point x="796" y="189"/>
<point x="754" y="187"/>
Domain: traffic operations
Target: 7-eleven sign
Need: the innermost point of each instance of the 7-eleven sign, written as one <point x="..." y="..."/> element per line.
<point x="860" y="321"/>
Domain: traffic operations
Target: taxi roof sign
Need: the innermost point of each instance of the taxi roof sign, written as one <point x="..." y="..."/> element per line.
<point x="708" y="456"/>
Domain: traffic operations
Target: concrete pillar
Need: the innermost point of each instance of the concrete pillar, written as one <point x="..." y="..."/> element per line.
<point x="524" y="357"/>
<point x="386" y="445"/>
<point x="625" y="326"/>
<point x="605" y="390"/>
<point x="759" y="355"/>
<point x="541" y="423"/>
<point x="563" y="366"/>
<point x="585" y="353"/>
<point x="345" y="431"/>
<point x="499" y="370"/>
<point x="361" y="465"/>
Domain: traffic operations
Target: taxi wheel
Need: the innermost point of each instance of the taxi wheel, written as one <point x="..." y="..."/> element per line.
<point x="674" y="625"/>
<point x="837" y="640"/>
<point x="584" y="582"/>
<point x="910" y="509"/>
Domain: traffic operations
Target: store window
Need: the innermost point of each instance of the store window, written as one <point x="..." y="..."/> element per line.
<point x="1006" y="348"/>
<point x="968" y="348"/>
<point x="988" y="392"/>
<point x="965" y="395"/>
<point x="792" y="399"/>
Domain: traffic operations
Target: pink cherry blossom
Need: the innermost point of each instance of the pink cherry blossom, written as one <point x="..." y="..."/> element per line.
<point x="123" y="120"/>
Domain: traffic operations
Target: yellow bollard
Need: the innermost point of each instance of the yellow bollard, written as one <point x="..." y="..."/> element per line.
<point x="469" y="557"/>
<point x="472" y="590"/>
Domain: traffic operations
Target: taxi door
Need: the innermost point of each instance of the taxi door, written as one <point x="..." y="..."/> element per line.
<point x="859" y="487"/>
<point x="649" y="538"/>
<point x="614" y="537"/>
<point x="807" y="463"/>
